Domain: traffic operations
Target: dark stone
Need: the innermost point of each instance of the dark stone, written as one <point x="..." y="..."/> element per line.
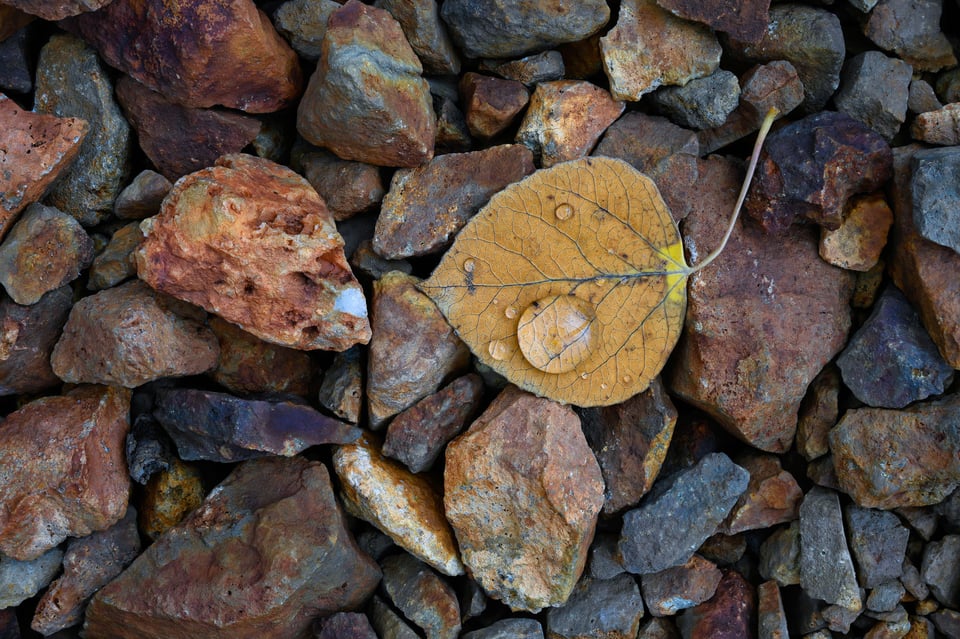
<point x="367" y="262"/>
<point x="530" y="70"/>
<point x="10" y="626"/>
<point x="948" y="622"/>
<point x="427" y="35"/>
<point x="115" y="263"/>
<point x="886" y="596"/>
<point x="780" y="556"/>
<point x="387" y="623"/>
<point x="605" y="561"/>
<point x="936" y="200"/>
<point x="744" y="20"/>
<point x="911" y="30"/>
<point x="303" y="23"/>
<point x="27" y="337"/>
<point x="490" y="104"/>
<point x="669" y="591"/>
<point x="142" y="197"/>
<point x="771" y="618"/>
<point x="344" y="625"/>
<point x="878" y="542"/>
<point x="148" y="446"/>
<point x="702" y="103"/>
<point x="874" y="89"/>
<point x="347" y="187"/>
<point x="598" y="608"/>
<point x="508" y="629"/>
<point x="341" y="391"/>
<point x="16" y="74"/>
<point x="729" y="614"/>
<point x="422" y="596"/>
<point x="940" y="567"/>
<point x="922" y="98"/>
<point x="822" y="536"/>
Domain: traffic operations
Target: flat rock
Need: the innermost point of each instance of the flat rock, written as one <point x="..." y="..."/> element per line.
<point x="780" y="556"/>
<point x="21" y="580"/>
<point x="878" y="542"/>
<point x="742" y="19"/>
<point x="729" y="614"/>
<point x="250" y="365"/>
<point x="422" y="596"/>
<point x="27" y="337"/>
<point x="818" y="414"/>
<point x="608" y="608"/>
<point x="491" y="104"/>
<point x="531" y="70"/>
<point x="874" y="89"/>
<point x="695" y="500"/>
<point x="911" y="30"/>
<point x="822" y="535"/>
<point x="940" y="567"/>
<point x="347" y="187"/>
<point x="426" y="33"/>
<point x="142" y="197"/>
<point x="341" y="391"/>
<point x="858" y="242"/>
<point x="427" y="206"/>
<point x="168" y="496"/>
<point x="510" y="628"/>
<point x="522" y="492"/>
<point x="116" y="263"/>
<point x="366" y="100"/>
<point x="771" y="618"/>
<point x="71" y="476"/>
<point x="251" y="241"/>
<point x="936" y="204"/>
<point x="304" y="23"/>
<point x="669" y="591"/>
<point x="650" y="47"/>
<point x="130" y="335"/>
<point x="266" y="553"/>
<point x="772" y="496"/>
<point x="938" y="126"/>
<point x="702" y="103"/>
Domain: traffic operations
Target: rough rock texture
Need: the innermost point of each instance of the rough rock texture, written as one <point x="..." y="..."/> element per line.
<point x="27" y="337"/>
<point x="168" y="496"/>
<point x="303" y="23"/>
<point x="940" y="126"/>
<point x="530" y="70"/>
<point x="250" y="365"/>
<point x="878" y="542"/>
<point x="780" y="556"/>
<point x="936" y="201"/>
<point x="116" y="263"/>
<point x="426" y="34"/>
<point x="822" y="536"/>
<point x="702" y="103"/>
<point x="510" y="628"/>
<point x="366" y="100"/>
<point x="941" y="563"/>
<point x="729" y="614"/>
<point x="422" y="596"/>
<point x="63" y="470"/>
<point x="669" y="591"/>
<point x="252" y="241"/>
<point x="208" y="52"/>
<point x="874" y="90"/>
<point x="491" y="104"/>
<point x="21" y="580"/>
<point x="522" y="491"/>
<point x="16" y="60"/>
<point x="387" y="623"/>
<point x="341" y="391"/>
<point x="772" y="496"/>
<point x="857" y="243"/>
<point x="818" y="414"/>
<point x="344" y="625"/>
<point x="608" y="608"/>
<point x="347" y="188"/>
<point x="130" y="335"/>
<point x="142" y="197"/>
<point x="266" y="553"/>
<point x="742" y="19"/>
<point x="911" y="29"/>
<point x="771" y="618"/>
<point x="53" y="9"/>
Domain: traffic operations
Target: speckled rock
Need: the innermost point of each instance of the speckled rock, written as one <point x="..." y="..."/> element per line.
<point x="522" y="491"/>
<point x="702" y="103"/>
<point x="341" y="390"/>
<point x="940" y="567"/>
<point x="169" y="496"/>
<point x="886" y="596"/>
<point x="142" y="197"/>
<point x="116" y="262"/>
<point x="344" y="625"/>
<point x="491" y="104"/>
<point x="729" y="614"/>
<point x="27" y="337"/>
<point x="426" y="34"/>
<point x="422" y="596"/>
<point x="874" y="90"/>
<point x="669" y="591"/>
<point x="510" y="628"/>
<point x="772" y="496"/>
<point x="531" y="70"/>
<point x="818" y="414"/>
<point x="303" y="23"/>
<point x="21" y="580"/>
<point x="130" y="335"/>
<point x="878" y="543"/>
<point x="822" y="535"/>
<point x="650" y="47"/>
<point x="745" y="20"/>
<point x="857" y="243"/>
<point x="608" y="608"/>
<point x="911" y="30"/>
<point x="940" y="126"/>
<point x="250" y="365"/>
<point x="71" y="476"/>
<point x="780" y="556"/>
<point x="772" y="620"/>
<point x="347" y="187"/>
<point x="922" y="97"/>
<point x="936" y="201"/>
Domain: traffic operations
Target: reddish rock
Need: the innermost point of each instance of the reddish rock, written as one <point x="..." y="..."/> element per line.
<point x="169" y="496"/>
<point x="250" y="365"/>
<point x="742" y="19"/>
<point x="266" y="553"/>
<point x="346" y="187"/>
<point x="453" y="136"/>
<point x="344" y="625"/>
<point x="772" y="497"/>
<point x="369" y="264"/>
<point x="11" y="20"/>
<point x="71" y="476"/>
<point x="818" y="414"/>
<point x="857" y="243"/>
<point x="938" y="127"/>
<point x="669" y="591"/>
<point x="422" y="596"/>
<point x="208" y="52"/>
<point x="772" y="620"/>
<point x="116" y="262"/>
<point x="491" y="104"/>
<point x="27" y="337"/>
<point x="341" y="391"/>
<point x="179" y="139"/>
<point x="522" y="491"/>
<point x="251" y="241"/>
<point x="729" y="614"/>
<point x="142" y="197"/>
<point x="56" y="9"/>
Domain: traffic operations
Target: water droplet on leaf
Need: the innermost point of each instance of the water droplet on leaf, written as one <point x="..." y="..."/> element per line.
<point x="469" y="264"/>
<point x="557" y="332"/>
<point x="510" y="312"/>
<point x="499" y="349"/>
<point x="563" y="212"/>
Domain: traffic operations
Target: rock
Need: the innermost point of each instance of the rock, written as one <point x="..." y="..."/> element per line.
<point x="12" y="20"/>
<point x="45" y="249"/>
<point x="169" y="496"/>
<point x="874" y="90"/>
<point x="818" y="414"/>
<point x="36" y="150"/>
<point x="702" y="103"/>
<point x="511" y="628"/>
<point x="149" y="449"/>
<point x="911" y="29"/>
<point x="742" y="20"/>
<point x="948" y="85"/>
<point x="922" y="98"/>
<point x="659" y="628"/>
<point x="142" y="197"/>
<point x="55" y="9"/>
<point x="413" y="350"/>
<point x="491" y="104"/>
<point x="922" y="442"/>
<point x="857" y="243"/>
<point x="27" y="337"/>
<point x="427" y="206"/>
<point x="729" y="614"/>
<point x="453" y="136"/>
<point x="772" y="496"/>
<point x="500" y="29"/>
<point x="630" y="441"/>
<point x="947" y="622"/>
<point x="609" y="608"/>
<point x="130" y="335"/>
<point x="941" y="126"/>
<point x="179" y="139"/>
<point x="16" y="59"/>
<point x="250" y="365"/>
<point x="366" y="100"/>
<point x="370" y="266"/>
<point x="72" y="82"/>
<point x="822" y="535"/>
<point x="341" y="391"/>
<point x="886" y="596"/>
<point x="403" y="505"/>
<point x="866" y="290"/>
<point x="912" y="581"/>
<point x="940" y="567"/>
<point x="266" y="553"/>
<point x="252" y="241"/>
<point x="605" y="560"/>
<point x="555" y="126"/>
<point x="387" y="623"/>
<point x="346" y="187"/>
<point x="891" y="362"/>
<point x="780" y="556"/>
<point x="522" y="492"/>
<point x="936" y="205"/>
<point x="838" y="618"/>
<point x="878" y="543"/>
<point x="304" y="23"/>
<point x="810" y="169"/>
<point x="89" y="563"/>
<point x="116" y="262"/>
<point x="259" y="74"/>
<point x="762" y="321"/>
<point x="669" y="591"/>
<point x="426" y="34"/>
<point x="71" y="476"/>
<point x="924" y="521"/>
<point x="21" y="580"/>
<point x="724" y="550"/>
<point x="344" y="625"/>
<point x="650" y="47"/>
<point x="531" y="70"/>
<point x="772" y="619"/>
<point x="422" y="596"/>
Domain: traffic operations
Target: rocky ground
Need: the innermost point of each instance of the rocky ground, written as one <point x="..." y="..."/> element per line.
<point x="229" y="411"/>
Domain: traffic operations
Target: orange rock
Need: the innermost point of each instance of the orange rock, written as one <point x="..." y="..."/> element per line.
<point x="938" y="127"/>
<point x="857" y="244"/>
<point x="11" y="19"/>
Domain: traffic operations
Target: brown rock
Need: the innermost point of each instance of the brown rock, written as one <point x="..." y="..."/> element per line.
<point x="422" y="596"/>
<point x="266" y="553"/>
<point x="250" y="365"/>
<point x="565" y="119"/>
<point x="402" y="505"/>
<point x="491" y="104"/>
<point x="252" y="241"/>
<point x="116" y="262"/>
<point x="531" y="70"/>
<point x="27" y="337"/>
<point x="771" y="616"/>
<point x="453" y="136"/>
<point x="427" y="206"/>
<point x="342" y="388"/>
<point x="780" y="556"/>
<point x="669" y="591"/>
<point x="729" y="614"/>
<point x="56" y="9"/>
<point x="858" y="241"/>
<point x="130" y="335"/>
<point x="911" y="29"/>
<point x="178" y="139"/>
<point x="303" y="23"/>
<point x="938" y="127"/>
<point x="11" y="20"/>
<point x="818" y="414"/>
<point x="235" y="58"/>
<point x="427" y="35"/>
<point x="773" y="496"/>
<point x="370" y="265"/>
<point x="169" y="496"/>
<point x="344" y="625"/>
<point x="142" y="197"/>
<point x="867" y="289"/>
<point x="346" y="187"/>
<point x="522" y="491"/>
<point x="743" y="19"/>
<point x="71" y="478"/>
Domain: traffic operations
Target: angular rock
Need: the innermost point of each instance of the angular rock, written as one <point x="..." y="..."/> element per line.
<point x="922" y="98"/>
<point x="422" y="596"/>
<point x="366" y="100"/>
<point x="427" y="206"/>
<point x="729" y="614"/>
<point x="772" y="496"/>
<point x="912" y="581"/>
<point x="344" y="625"/>
<point x="387" y="623"/>
<point x="911" y="29"/>
<point x="878" y="542"/>
<point x="940" y="567"/>
<point x="940" y="126"/>
<point x="491" y="104"/>
<point x="780" y="556"/>
<point x="266" y="553"/>
<point x="12" y="20"/>
<point x="744" y="20"/>
<point x="56" y="9"/>
<point x="251" y="241"/>
<point x="886" y="596"/>
<point x="874" y="90"/>
<point x="947" y="622"/>
<point x="453" y="136"/>
<point x="818" y="414"/>
<point x="116" y="262"/>
<point x="64" y="471"/>
<point x="609" y="608"/>
<point x="250" y="365"/>
<point x="149" y="448"/>
<point x="822" y="536"/>
<point x="426" y="34"/>
<point x="659" y="628"/>
<point x="142" y="197"/>
<point x="510" y="628"/>
<point x="702" y="103"/>
<point x="522" y="492"/>
<point x="531" y="70"/>
<point x="772" y="620"/>
<point x="669" y="591"/>
<point x="169" y="496"/>
<point x="924" y="521"/>
<point x="936" y="201"/>
<point x="857" y="243"/>
<point x="27" y="337"/>
<point x="341" y="391"/>
<point x="838" y="618"/>
<point x="605" y="561"/>
<point x="20" y="580"/>
<point x="346" y="187"/>
<point x="16" y="59"/>
<point x="304" y="23"/>
<point x="130" y="335"/>
<point x="724" y="550"/>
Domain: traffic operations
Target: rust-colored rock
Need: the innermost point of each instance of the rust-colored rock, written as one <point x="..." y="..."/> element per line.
<point x="743" y="19"/>
<point x="858" y="241"/>
<point x="772" y="497"/>
<point x="771" y="618"/>
<point x="11" y="20"/>
<point x="669" y="591"/>
<point x="169" y="496"/>
<point x="205" y="53"/>
<point x="27" y="337"/>
<point x="251" y="241"/>
<point x="347" y="188"/>
<point x="250" y="365"/>
<point x="938" y="127"/>
<point x="729" y="614"/>
<point x="491" y="104"/>
<point x="116" y="262"/>
<point x="54" y="9"/>
<point x="71" y="476"/>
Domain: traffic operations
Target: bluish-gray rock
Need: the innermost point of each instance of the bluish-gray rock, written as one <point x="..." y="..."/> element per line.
<point x="421" y="595"/>
<point x="598" y="608"/>
<point x="512" y="628"/>
<point x="387" y="623"/>
<point x="936" y="199"/>
<point x="875" y="90"/>
<point x="15" y="72"/>
<point x="702" y="103"/>
<point x="826" y="569"/>
<point x="531" y="70"/>
<point x="427" y="35"/>
<point x="20" y="580"/>
<point x="911" y="30"/>
<point x="878" y="542"/>
<point x="886" y="596"/>
<point x="940" y="568"/>
<point x="303" y="23"/>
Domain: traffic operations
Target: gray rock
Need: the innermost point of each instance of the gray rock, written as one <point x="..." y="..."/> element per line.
<point x="387" y="623"/>
<point x="303" y="23"/>
<point x="342" y="388"/>
<point x="142" y="197"/>
<point x="875" y="90"/>
<point x="420" y="21"/>
<point x="772" y="620"/>
<point x="911" y="29"/>
<point x="921" y="97"/>
<point x="863" y="6"/>
<point x="780" y="556"/>
<point x="20" y="580"/>
<point x="936" y="199"/>
<point x="509" y="629"/>
<point x="27" y="337"/>
<point x="838" y="618"/>
<point x="913" y="582"/>
<point x="422" y="596"/>
<point x="940" y="569"/>
<point x="948" y="86"/>
<point x="947" y="622"/>
<point x="15" y="73"/>
<point x="344" y="625"/>
<point x="949" y="509"/>
<point x="923" y="520"/>
<point x="605" y="561"/>
<point x="659" y="628"/>
<point x="598" y="608"/>
<point x="702" y="103"/>
<point x="878" y="542"/>
<point x="886" y="596"/>
<point x="826" y="569"/>
<point x="531" y="70"/>
<point x="116" y="262"/>
<point x="347" y="187"/>
<point x="473" y="601"/>
<point x="695" y="501"/>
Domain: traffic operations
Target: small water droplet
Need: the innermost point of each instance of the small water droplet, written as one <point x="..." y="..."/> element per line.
<point x="583" y="376"/>
<point x="499" y="349"/>
<point x="627" y="379"/>
<point x="469" y="264"/>
<point x="556" y="333"/>
<point x="603" y="387"/>
<point x="510" y="312"/>
<point x="563" y="212"/>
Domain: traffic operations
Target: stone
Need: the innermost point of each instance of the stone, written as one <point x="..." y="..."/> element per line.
<point x="179" y="139"/>
<point x="809" y="170"/>
<point x="141" y="38"/>
<point x="149" y="449"/>
<point x="27" y="337"/>
<point x="650" y="47"/>
<point x="250" y="365"/>
<point x="922" y="98"/>
<point x="491" y="105"/>
<point x="922" y="442"/>
<point x="12" y="20"/>
<point x="724" y="550"/>
<point x="605" y="561"/>
<point x="35" y="150"/>
<point x="891" y="362"/>
<point x="304" y="23"/>
<point x="422" y="596"/>
<point x="659" y="628"/>
<point x="940" y="567"/>
<point x="911" y="30"/>
<point x="55" y="9"/>
<point x="453" y="135"/>
<point x="387" y="623"/>
<point x="874" y="89"/>
<point x="838" y="618"/>
<point x="669" y="591"/>
<point x="889" y="629"/>
<point x="366" y="100"/>
<point x="857" y="243"/>
<point x="404" y="506"/>
<point x="744" y="20"/>
<point x="940" y="126"/>
<point x="510" y="628"/>
<point x="89" y="563"/>
<point x="912" y="581"/>
<point x="948" y="85"/>
<point x="73" y="82"/>
<point x="21" y="580"/>
<point x="344" y="625"/>
<point x="772" y="620"/>
<point x="346" y="187"/>
<point x="252" y="242"/>
<point x="924" y="521"/>
<point x="142" y="197"/>
<point x="413" y="349"/>
<point x="695" y="501"/>
<point x="522" y="492"/>
<point x="554" y="127"/>
<point x="501" y="29"/>
<point x="609" y="608"/>
<point x="821" y="536"/>
<point x="947" y="622"/>
<point x="761" y="322"/>
<point x="473" y="601"/>
<point x="936" y="201"/>
<point x="426" y="33"/>
<point x="701" y="103"/>
<point x="116" y="262"/>
<point x="531" y="70"/>
<point x="772" y="496"/>
<point x="780" y="556"/>
<point x="169" y="496"/>
<point x="878" y="542"/>
<point x="16" y="59"/>
<point x="867" y="288"/>
<point x="130" y="335"/>
<point x="949" y="509"/>
<point x="370" y="266"/>
<point x="427" y="206"/>
<point x="821" y="472"/>
<point x="64" y="473"/>
<point x="266" y="553"/>
<point x="45" y="249"/>
<point x="729" y="614"/>
<point x="819" y="412"/>
<point x="630" y="441"/>
<point x="886" y="596"/>
<point x="341" y="391"/>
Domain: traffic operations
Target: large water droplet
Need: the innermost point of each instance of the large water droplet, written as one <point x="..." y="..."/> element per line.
<point x="469" y="264"/>
<point x="499" y="349"/>
<point x="510" y="312"/>
<point x="563" y="212"/>
<point x="556" y="333"/>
